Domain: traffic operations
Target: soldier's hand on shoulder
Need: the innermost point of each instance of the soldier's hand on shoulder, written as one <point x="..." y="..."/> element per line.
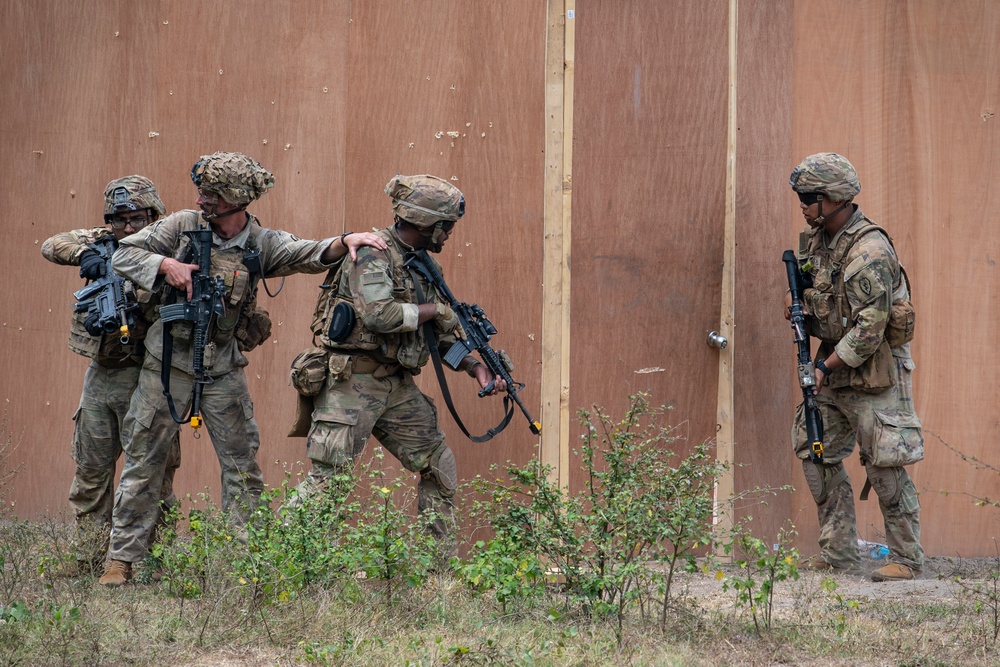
<point x="355" y="240"/>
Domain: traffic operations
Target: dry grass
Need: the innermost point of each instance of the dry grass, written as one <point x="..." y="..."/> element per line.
<point x="923" y="623"/>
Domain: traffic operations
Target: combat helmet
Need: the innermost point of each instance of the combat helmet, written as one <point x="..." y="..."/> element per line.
<point x="131" y="193"/>
<point x="235" y="177"/>
<point x="425" y="200"/>
<point x="828" y="174"/>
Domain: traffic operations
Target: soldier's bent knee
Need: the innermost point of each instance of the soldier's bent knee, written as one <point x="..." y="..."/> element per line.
<point x="443" y="472"/>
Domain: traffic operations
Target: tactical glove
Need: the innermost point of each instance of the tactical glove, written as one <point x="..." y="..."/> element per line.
<point x="91" y="265"/>
<point x="92" y="326"/>
<point x="446" y="319"/>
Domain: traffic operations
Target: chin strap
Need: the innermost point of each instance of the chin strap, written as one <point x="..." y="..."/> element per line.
<point x="216" y="216"/>
<point x="820" y="219"/>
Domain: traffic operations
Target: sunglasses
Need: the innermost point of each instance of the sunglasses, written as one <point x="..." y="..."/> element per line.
<point x="809" y="198"/>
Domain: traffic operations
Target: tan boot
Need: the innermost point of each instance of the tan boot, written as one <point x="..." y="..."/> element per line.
<point x="116" y="573"/>
<point x="815" y="563"/>
<point x="894" y="572"/>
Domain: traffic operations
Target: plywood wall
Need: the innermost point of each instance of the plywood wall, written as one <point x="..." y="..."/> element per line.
<point x="909" y="91"/>
<point x="336" y="97"/>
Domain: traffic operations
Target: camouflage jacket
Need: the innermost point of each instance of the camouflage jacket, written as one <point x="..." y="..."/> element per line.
<point x="66" y="248"/>
<point x="385" y="301"/>
<point x="856" y="277"/>
<point x="139" y="257"/>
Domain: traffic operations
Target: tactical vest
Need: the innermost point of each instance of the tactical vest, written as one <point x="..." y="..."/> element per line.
<point x="241" y="291"/>
<point x="108" y="349"/>
<point x="405" y="348"/>
<point x="831" y="317"/>
<point x="831" y="309"/>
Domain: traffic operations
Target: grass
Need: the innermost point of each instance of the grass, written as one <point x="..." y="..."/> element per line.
<point x="347" y="620"/>
<point x="353" y="580"/>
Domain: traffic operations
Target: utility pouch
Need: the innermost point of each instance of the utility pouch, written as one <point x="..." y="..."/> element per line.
<point x="877" y="374"/>
<point x="341" y="322"/>
<point x="902" y="319"/>
<point x="253" y="329"/>
<point x="309" y="370"/>
<point x="339" y="367"/>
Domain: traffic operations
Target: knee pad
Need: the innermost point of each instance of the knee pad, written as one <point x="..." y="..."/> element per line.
<point x="822" y="478"/>
<point x="888" y="483"/>
<point x="443" y="472"/>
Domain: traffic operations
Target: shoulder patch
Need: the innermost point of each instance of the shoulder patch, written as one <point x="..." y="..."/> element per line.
<point x="857" y="264"/>
<point x="374" y="278"/>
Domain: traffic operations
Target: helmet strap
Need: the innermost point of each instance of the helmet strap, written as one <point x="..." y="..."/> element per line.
<point x="820" y="219"/>
<point x="217" y="216"/>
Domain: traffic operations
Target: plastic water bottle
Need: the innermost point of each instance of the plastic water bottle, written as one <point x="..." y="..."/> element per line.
<point x="874" y="549"/>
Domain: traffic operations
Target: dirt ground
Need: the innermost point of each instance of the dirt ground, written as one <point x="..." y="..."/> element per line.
<point x="935" y="583"/>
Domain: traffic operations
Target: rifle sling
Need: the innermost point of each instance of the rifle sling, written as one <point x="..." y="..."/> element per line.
<point x="431" y="337"/>
<point x="168" y="352"/>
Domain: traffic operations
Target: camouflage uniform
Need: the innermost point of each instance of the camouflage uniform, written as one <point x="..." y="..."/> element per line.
<point x="107" y="389"/>
<point x="857" y="283"/>
<point x="226" y="405"/>
<point x="369" y="389"/>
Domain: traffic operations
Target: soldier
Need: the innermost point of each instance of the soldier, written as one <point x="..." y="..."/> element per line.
<point x="130" y="204"/>
<point x="858" y="307"/>
<point x="370" y="386"/>
<point x="227" y="183"/>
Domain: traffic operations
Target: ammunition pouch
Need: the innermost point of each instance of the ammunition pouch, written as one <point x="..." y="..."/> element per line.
<point x="253" y="329"/>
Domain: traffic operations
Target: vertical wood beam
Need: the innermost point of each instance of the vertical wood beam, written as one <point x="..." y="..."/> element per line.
<point x="725" y="438"/>
<point x="556" y="244"/>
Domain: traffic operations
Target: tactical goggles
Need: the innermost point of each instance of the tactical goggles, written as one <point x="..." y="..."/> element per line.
<point x="809" y="198"/>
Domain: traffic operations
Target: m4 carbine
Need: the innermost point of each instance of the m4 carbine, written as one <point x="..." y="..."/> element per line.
<point x="805" y="369"/>
<point x="108" y="301"/>
<point x="207" y="301"/>
<point x="478" y="330"/>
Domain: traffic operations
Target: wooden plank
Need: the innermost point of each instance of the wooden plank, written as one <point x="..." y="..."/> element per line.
<point x="555" y="266"/>
<point x="724" y="440"/>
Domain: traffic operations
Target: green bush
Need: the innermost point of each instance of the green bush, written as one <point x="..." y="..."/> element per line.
<point x="643" y="512"/>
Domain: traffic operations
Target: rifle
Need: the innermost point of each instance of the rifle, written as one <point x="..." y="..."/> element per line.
<point x="478" y="330"/>
<point x="207" y="301"/>
<point x="104" y="300"/>
<point x="806" y="370"/>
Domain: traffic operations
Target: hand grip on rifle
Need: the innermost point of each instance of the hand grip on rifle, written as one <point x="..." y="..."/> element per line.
<point x="104" y="300"/>
<point x="478" y="330"/>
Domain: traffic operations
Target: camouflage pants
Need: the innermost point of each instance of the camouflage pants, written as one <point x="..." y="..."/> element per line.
<point x="889" y="437"/>
<point x="402" y="419"/>
<point x="147" y="432"/>
<point x="96" y="449"/>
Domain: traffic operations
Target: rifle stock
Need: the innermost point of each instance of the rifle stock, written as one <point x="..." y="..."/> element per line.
<point x="805" y="370"/>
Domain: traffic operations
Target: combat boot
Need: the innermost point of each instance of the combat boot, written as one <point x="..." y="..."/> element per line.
<point x="116" y="573"/>
<point x="894" y="572"/>
<point x="816" y="563"/>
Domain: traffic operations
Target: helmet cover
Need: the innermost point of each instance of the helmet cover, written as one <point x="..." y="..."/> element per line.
<point x="425" y="200"/>
<point x="235" y="177"/>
